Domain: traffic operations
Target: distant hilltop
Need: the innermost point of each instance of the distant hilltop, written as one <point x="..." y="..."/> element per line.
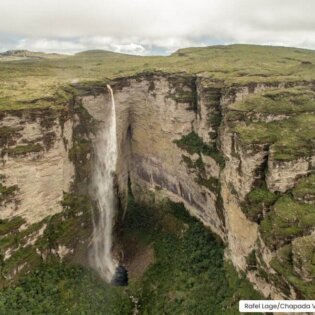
<point x="26" y="54"/>
<point x="18" y="52"/>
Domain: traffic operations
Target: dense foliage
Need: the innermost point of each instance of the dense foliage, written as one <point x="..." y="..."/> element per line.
<point x="193" y="143"/>
<point x="188" y="275"/>
<point x="62" y="289"/>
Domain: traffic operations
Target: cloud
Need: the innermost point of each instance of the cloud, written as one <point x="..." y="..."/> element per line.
<point x="144" y="27"/>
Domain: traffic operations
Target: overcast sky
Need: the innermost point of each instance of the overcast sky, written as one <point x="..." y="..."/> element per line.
<point x="153" y="26"/>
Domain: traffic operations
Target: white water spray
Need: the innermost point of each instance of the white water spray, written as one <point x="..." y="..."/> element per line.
<point x="103" y="179"/>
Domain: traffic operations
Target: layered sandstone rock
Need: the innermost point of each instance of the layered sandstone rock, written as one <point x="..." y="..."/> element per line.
<point x="36" y="161"/>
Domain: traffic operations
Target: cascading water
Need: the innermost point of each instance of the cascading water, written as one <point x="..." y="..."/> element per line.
<point x="103" y="179"/>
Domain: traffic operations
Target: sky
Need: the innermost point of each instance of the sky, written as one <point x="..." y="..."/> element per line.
<point x="151" y="27"/>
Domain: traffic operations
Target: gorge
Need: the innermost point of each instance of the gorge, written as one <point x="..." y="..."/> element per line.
<point x="235" y="148"/>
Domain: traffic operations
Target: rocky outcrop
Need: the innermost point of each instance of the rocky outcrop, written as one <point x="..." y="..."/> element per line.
<point x="284" y="175"/>
<point x="303" y="252"/>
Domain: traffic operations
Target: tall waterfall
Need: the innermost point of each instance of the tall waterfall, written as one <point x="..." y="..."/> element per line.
<point x="103" y="179"/>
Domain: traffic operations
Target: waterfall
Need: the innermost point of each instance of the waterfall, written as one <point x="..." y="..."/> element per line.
<point x="103" y="180"/>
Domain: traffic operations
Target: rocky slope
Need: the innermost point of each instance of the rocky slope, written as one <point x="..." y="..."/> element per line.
<point x="239" y="156"/>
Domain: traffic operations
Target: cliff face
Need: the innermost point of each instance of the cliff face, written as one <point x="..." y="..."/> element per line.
<point x="43" y="209"/>
<point x="35" y="161"/>
<point x="178" y="139"/>
<point x="183" y="137"/>
<point x="153" y="114"/>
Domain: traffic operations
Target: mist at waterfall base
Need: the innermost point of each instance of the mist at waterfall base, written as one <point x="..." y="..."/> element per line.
<point x="105" y="148"/>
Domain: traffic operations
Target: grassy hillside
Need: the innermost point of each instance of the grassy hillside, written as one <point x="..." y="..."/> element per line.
<point x="35" y="82"/>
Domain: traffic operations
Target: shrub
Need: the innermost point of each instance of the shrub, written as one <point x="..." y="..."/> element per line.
<point x="192" y="143"/>
<point x="287" y="220"/>
<point x="6" y="193"/>
<point x="23" y="149"/>
<point x="258" y="202"/>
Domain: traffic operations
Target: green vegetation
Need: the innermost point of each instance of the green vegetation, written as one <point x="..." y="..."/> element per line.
<point x="187" y="160"/>
<point x="183" y="90"/>
<point x="6" y="193"/>
<point x="24" y="259"/>
<point x="214" y="120"/>
<point x="36" y="82"/>
<point x="80" y="150"/>
<point x="12" y="237"/>
<point x="23" y="149"/>
<point x="8" y="226"/>
<point x="305" y="189"/>
<point x="43" y="81"/>
<point x="212" y="93"/>
<point x="188" y="275"/>
<point x="258" y="201"/>
<point x="6" y="135"/>
<point x="69" y="227"/>
<point x="287" y="220"/>
<point x="63" y="289"/>
<point x="290" y="138"/>
<point x="285" y="267"/>
<point x="183" y="248"/>
<point x="189" y="97"/>
<point x="294" y="260"/>
<point x="79" y="155"/>
<point x="211" y="183"/>
<point x="261" y="196"/>
<point x="198" y="166"/>
<point x="251" y="260"/>
<point x="192" y="143"/>
<point x="303" y="249"/>
<point x="279" y="101"/>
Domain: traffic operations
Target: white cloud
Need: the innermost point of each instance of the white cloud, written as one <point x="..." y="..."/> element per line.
<point x="49" y="45"/>
<point x="142" y="26"/>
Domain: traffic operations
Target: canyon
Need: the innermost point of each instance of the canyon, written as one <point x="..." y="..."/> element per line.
<point x="240" y="157"/>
